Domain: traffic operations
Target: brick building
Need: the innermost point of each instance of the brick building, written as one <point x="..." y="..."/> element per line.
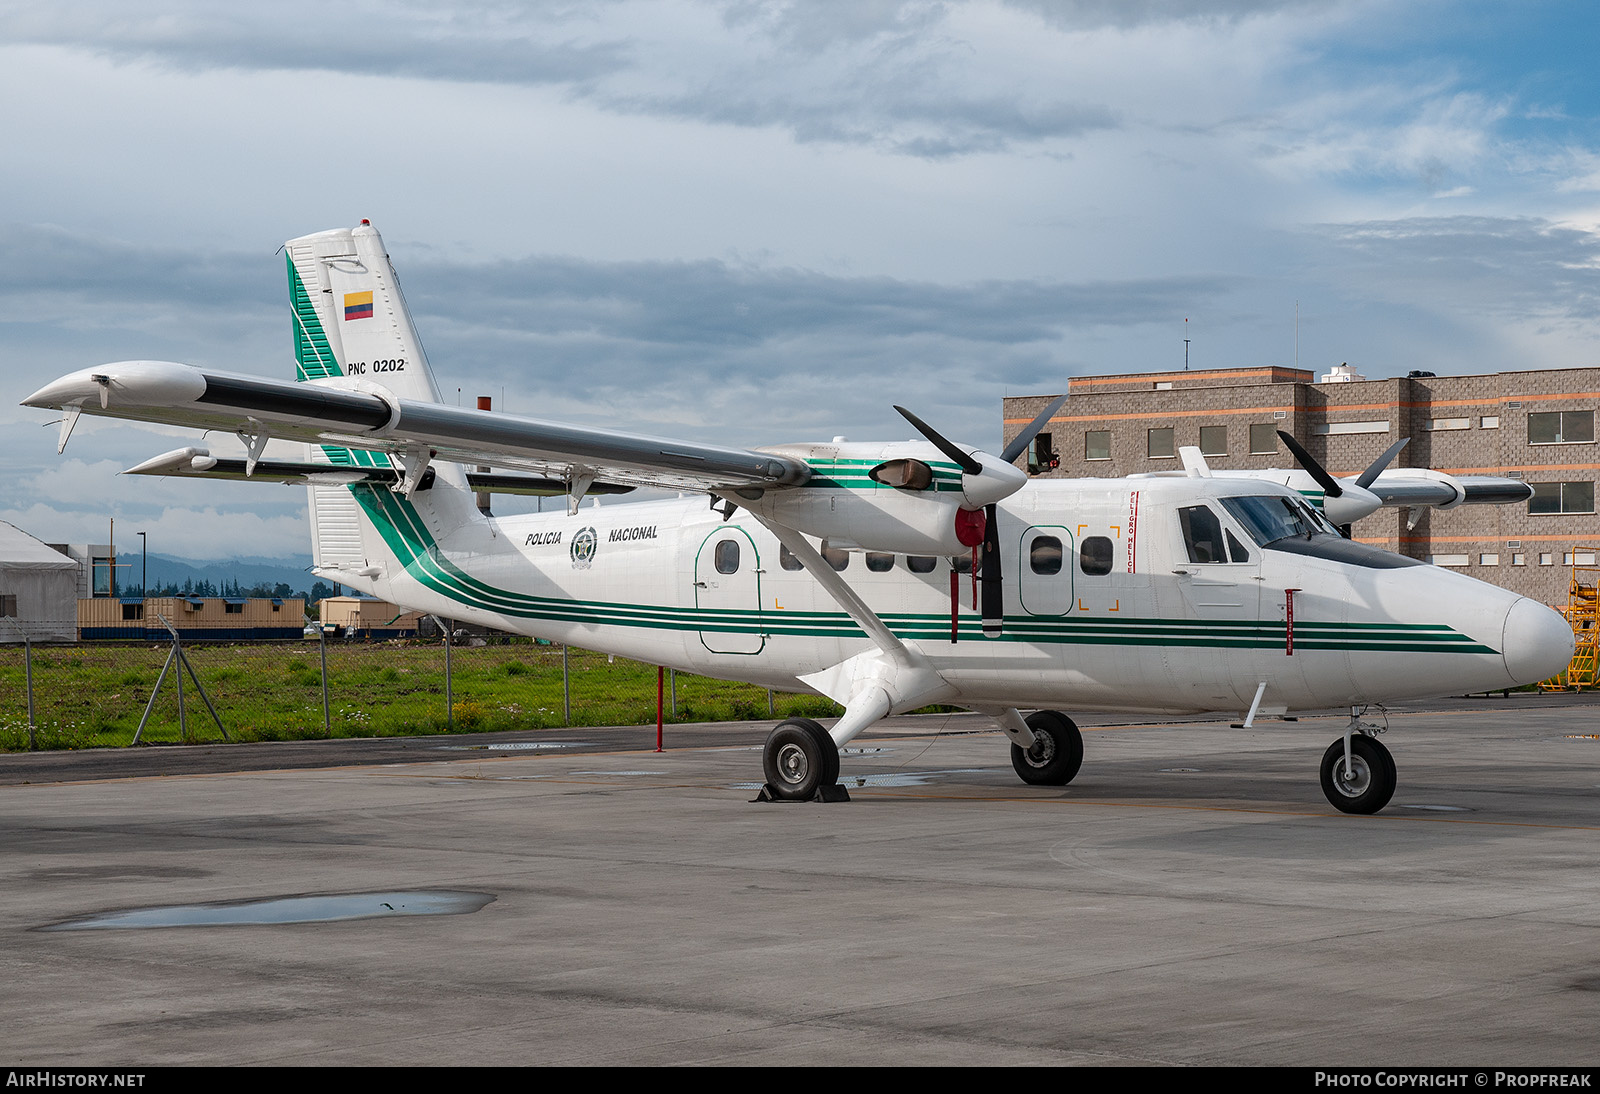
<point x="1538" y="426"/>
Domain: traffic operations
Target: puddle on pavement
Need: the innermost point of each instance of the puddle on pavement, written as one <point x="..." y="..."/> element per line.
<point x="298" y="909"/>
<point x="513" y="746"/>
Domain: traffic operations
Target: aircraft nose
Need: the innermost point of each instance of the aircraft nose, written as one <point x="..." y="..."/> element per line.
<point x="1537" y="641"/>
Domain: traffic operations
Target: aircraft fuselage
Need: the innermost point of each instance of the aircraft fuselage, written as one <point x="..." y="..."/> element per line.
<point x="1106" y="606"/>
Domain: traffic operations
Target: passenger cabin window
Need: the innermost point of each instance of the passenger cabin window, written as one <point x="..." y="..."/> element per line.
<point x="1044" y="556"/>
<point x="728" y="556"/>
<point x="1094" y="555"/>
<point x="921" y="564"/>
<point x="836" y="558"/>
<point x="879" y="563"/>
<point x="787" y="560"/>
<point x="961" y="564"/>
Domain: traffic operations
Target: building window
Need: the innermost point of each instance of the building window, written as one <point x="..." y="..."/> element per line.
<point x="101" y="570"/>
<point x="1578" y="558"/>
<point x="1264" y="439"/>
<point x="1561" y="497"/>
<point x="8" y="605"/>
<point x="1561" y="427"/>
<point x="1488" y="560"/>
<point x="132" y="611"/>
<point x="1547" y="559"/>
<point x="1163" y="385"/>
<point x="1519" y="559"/>
<point x="1439" y="424"/>
<point x="1340" y="428"/>
<point x="238" y="609"/>
<point x="1042" y="455"/>
<point x="1160" y="444"/>
<point x="1449" y="560"/>
<point x="1489" y="421"/>
<point x="1097" y="444"/>
<point x="1213" y="440"/>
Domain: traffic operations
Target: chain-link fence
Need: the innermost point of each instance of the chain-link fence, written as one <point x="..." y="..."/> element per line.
<point x="104" y="693"/>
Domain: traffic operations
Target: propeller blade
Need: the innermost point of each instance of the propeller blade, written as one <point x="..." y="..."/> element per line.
<point x="962" y="459"/>
<point x="1381" y="462"/>
<point x="1329" y="484"/>
<point x="994" y="609"/>
<point x="1020" y="442"/>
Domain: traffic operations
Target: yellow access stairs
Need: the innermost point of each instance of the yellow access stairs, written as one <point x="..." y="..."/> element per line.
<point x="1583" y="606"/>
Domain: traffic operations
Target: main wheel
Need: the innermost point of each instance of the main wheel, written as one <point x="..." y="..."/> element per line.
<point x="1371" y="781"/>
<point x="1056" y="753"/>
<point x="799" y="757"/>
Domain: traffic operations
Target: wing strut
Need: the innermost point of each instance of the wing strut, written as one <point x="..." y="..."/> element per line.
<point x="890" y="679"/>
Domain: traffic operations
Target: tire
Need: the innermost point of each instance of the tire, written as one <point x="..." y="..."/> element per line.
<point x="799" y="757"/>
<point x="1373" y="782"/>
<point x="1057" y="750"/>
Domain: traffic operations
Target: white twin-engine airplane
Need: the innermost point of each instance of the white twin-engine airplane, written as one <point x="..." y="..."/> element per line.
<point x="842" y="567"/>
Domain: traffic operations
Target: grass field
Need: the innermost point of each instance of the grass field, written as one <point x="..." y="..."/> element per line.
<point x="92" y="695"/>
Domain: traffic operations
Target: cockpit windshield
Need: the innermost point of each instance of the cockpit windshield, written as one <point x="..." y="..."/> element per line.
<point x="1274" y="517"/>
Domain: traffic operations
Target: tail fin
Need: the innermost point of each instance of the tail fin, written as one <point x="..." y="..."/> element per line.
<point x="350" y="318"/>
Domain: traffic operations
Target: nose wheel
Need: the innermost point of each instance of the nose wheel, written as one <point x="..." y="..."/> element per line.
<point x="801" y="761"/>
<point x="1369" y="781"/>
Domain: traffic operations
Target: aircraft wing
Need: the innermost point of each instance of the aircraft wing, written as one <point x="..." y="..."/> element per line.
<point x="1419" y="487"/>
<point x="358" y="414"/>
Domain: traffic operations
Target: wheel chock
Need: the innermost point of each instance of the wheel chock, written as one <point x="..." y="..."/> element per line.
<point x="824" y="794"/>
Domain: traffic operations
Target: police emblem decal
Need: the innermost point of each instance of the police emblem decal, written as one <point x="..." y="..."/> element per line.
<point x="583" y="548"/>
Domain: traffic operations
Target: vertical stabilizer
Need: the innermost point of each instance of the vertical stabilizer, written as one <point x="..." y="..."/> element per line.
<point x="350" y="320"/>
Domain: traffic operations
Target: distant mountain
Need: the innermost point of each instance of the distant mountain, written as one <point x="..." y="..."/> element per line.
<point x="293" y="571"/>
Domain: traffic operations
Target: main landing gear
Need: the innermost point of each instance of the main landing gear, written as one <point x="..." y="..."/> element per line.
<point x="1364" y="784"/>
<point x="1056" y="753"/>
<point x="801" y="763"/>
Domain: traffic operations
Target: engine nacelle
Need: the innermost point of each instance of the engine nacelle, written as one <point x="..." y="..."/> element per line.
<point x="854" y="499"/>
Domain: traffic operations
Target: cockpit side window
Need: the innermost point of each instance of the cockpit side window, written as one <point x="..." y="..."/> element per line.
<point x="1202" y="534"/>
<point x="1269" y="519"/>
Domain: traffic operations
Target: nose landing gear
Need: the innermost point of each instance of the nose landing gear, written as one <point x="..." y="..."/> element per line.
<point x="1366" y="783"/>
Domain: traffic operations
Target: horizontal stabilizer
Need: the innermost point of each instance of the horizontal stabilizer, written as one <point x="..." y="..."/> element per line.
<point x="199" y="463"/>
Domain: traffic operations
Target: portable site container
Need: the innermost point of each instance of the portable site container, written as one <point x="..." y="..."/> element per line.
<point x="208" y="618"/>
<point x="356" y="617"/>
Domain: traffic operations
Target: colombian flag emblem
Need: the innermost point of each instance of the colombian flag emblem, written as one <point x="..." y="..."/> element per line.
<point x="358" y="305"/>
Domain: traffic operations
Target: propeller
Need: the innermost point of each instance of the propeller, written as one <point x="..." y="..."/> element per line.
<point x="986" y="567"/>
<point x="1345" y="501"/>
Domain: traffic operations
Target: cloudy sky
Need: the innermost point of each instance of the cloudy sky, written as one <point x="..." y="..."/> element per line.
<point x="752" y="221"/>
